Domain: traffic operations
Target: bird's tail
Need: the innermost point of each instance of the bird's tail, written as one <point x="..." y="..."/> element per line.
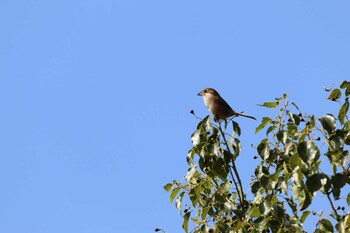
<point x="244" y="115"/>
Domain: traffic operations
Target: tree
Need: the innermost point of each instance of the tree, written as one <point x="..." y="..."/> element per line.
<point x="302" y="155"/>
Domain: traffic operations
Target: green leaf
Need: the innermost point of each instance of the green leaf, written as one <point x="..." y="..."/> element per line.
<point x="292" y="130"/>
<point x="205" y="164"/>
<point x="313" y="183"/>
<point x="190" y="156"/>
<point x="344" y="84"/>
<point x="168" y="187"/>
<point x="311" y="123"/>
<point x="296" y="106"/>
<point x="253" y="212"/>
<point x="269" y="104"/>
<point x="198" y="136"/>
<point x="220" y="168"/>
<point x="303" y="196"/>
<point x="343" y="111"/>
<point x="274" y="177"/>
<point x="275" y="226"/>
<point x="308" y="152"/>
<point x="326" y="182"/>
<point x="213" y="136"/>
<point x="264" y="122"/>
<point x="205" y="211"/>
<point x="220" y="226"/>
<point x="296" y="119"/>
<point x="228" y="156"/>
<point x="336" y="141"/>
<point x="326" y="225"/>
<point x="348" y="199"/>
<point x="270" y="129"/>
<point x="347" y="91"/>
<point x="255" y="187"/>
<point x="263" y="149"/>
<point x="303" y="133"/>
<point x="293" y="117"/>
<point x="236" y="128"/>
<point x="224" y="188"/>
<point x="178" y="201"/>
<point x="195" y="137"/>
<point x="328" y="123"/>
<point x="335" y="95"/>
<point x="190" y="173"/>
<point x="185" y="222"/>
<point x="344" y="224"/>
<point x="265" y="208"/>
<point x="278" y="211"/>
<point x="210" y="148"/>
<point x="282" y="136"/>
<point x="266" y="182"/>
<point x="283" y="185"/>
<point x="237" y="148"/>
<point x="317" y="182"/>
<point x="304" y="215"/>
<point x="338" y="182"/>
<point x="205" y="124"/>
<point x="294" y="161"/>
<point x="346" y="126"/>
<point x="260" y="223"/>
<point x="194" y="194"/>
<point x="173" y="193"/>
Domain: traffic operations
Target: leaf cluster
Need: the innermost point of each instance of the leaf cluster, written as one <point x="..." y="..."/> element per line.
<point x="299" y="156"/>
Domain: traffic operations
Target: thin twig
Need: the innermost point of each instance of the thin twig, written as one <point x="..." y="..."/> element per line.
<point x="333" y="208"/>
<point x="239" y="188"/>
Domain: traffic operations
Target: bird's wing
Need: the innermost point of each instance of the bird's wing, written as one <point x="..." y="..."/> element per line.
<point x="222" y="102"/>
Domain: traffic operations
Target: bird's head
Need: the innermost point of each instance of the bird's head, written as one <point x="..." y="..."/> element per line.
<point x="206" y="92"/>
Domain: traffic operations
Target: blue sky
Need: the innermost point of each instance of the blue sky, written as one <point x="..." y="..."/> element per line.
<point x="95" y="98"/>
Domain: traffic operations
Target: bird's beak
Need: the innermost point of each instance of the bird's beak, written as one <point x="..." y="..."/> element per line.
<point x="200" y="93"/>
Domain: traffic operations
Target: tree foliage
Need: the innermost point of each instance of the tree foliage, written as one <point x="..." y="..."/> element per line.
<point x="300" y="155"/>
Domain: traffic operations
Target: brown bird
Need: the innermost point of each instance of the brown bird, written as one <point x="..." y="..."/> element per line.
<point x="218" y="106"/>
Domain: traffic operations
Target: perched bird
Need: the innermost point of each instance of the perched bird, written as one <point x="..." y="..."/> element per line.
<point x="218" y="106"/>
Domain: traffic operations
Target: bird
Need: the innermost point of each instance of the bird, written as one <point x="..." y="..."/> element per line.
<point x="218" y="106"/>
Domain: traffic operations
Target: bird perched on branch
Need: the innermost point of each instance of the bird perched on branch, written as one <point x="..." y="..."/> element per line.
<point x="218" y="106"/>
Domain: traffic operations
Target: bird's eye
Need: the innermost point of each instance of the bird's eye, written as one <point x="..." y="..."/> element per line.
<point x="205" y="91"/>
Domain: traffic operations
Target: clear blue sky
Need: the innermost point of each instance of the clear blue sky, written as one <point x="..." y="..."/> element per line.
<point x="95" y="98"/>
